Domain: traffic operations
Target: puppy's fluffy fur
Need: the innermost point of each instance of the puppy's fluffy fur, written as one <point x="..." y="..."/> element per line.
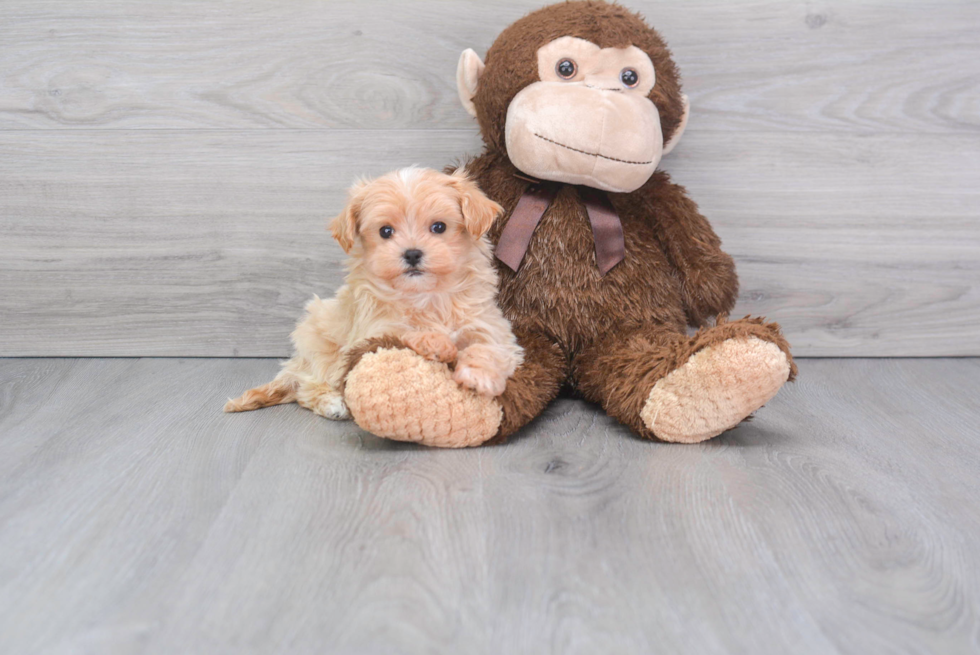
<point x="419" y="269"/>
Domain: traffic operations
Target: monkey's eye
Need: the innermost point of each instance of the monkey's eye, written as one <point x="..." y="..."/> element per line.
<point x="386" y="232"/>
<point x="438" y="227"/>
<point x="566" y="69"/>
<point x="629" y="77"/>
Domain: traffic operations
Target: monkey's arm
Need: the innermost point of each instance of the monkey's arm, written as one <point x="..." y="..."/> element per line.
<point x="708" y="280"/>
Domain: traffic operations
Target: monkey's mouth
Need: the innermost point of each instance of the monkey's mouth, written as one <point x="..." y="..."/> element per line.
<point x="594" y="154"/>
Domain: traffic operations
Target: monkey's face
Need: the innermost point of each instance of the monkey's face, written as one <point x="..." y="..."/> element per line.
<point x="578" y="92"/>
<point x="588" y="120"/>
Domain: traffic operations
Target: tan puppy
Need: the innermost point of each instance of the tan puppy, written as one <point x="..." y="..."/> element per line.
<point x="419" y="269"/>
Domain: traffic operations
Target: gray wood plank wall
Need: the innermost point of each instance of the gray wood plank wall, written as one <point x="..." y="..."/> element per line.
<point x="166" y="168"/>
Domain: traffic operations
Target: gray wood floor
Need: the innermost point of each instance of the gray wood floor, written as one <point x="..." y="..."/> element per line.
<point x="136" y="517"/>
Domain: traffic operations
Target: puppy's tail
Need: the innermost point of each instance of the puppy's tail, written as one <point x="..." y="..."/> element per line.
<point x="277" y="392"/>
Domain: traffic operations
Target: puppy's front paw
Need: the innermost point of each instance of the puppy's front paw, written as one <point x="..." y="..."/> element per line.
<point x="431" y="345"/>
<point x="478" y="371"/>
<point x="486" y="383"/>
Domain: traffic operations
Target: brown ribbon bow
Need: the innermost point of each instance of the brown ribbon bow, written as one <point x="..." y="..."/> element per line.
<point x="607" y="230"/>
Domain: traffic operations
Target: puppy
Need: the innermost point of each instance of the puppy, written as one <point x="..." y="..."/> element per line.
<point x="420" y="269"/>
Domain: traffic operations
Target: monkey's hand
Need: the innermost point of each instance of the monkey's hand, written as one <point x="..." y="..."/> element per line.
<point x="709" y="287"/>
<point x="434" y="346"/>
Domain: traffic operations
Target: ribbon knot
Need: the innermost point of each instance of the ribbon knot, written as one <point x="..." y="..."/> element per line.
<point x="607" y="229"/>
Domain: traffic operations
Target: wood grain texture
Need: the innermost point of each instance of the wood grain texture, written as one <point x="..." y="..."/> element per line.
<point x="369" y="64"/>
<point x="135" y="517"/>
<point x="168" y="243"/>
<point x="166" y="168"/>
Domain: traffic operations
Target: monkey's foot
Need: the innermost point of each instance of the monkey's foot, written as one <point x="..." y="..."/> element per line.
<point x="716" y="389"/>
<point x="396" y="394"/>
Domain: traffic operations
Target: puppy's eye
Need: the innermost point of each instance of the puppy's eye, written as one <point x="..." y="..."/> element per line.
<point x="438" y="227"/>
<point x="566" y="69"/>
<point x="629" y="77"/>
<point x="386" y="232"/>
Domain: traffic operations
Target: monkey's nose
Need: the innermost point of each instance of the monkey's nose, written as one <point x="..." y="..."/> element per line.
<point x="412" y="257"/>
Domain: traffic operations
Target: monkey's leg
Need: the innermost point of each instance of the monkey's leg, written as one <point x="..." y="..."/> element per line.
<point x="394" y="393"/>
<point x="534" y="384"/>
<point x="673" y="387"/>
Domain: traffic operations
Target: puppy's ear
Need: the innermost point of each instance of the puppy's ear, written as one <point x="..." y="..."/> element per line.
<point x="479" y="211"/>
<point x="344" y="226"/>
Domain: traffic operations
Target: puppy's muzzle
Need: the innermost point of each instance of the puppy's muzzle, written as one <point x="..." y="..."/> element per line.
<point x="413" y="257"/>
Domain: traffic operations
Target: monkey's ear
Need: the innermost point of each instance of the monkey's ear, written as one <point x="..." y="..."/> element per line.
<point x="467" y="77"/>
<point x="676" y="136"/>
<point x="344" y="226"/>
<point x="479" y="211"/>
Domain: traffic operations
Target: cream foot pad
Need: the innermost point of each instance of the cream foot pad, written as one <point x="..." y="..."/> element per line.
<point x="715" y="390"/>
<point x="396" y="394"/>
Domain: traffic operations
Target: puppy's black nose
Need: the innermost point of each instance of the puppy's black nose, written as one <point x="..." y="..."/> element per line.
<point x="412" y="257"/>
